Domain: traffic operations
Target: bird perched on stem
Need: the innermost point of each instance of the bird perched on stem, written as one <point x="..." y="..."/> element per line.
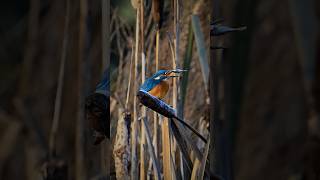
<point x="97" y="110"/>
<point x="157" y="85"/>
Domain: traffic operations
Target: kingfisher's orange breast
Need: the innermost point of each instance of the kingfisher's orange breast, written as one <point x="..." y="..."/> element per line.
<point x="160" y="90"/>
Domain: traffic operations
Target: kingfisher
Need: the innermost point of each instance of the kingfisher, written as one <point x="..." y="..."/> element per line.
<point x="97" y="110"/>
<point x="157" y="85"/>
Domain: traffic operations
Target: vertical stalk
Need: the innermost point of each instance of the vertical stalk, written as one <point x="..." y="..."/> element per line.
<point x="166" y="149"/>
<point x="57" y="106"/>
<point x="155" y="115"/>
<point x="174" y="93"/>
<point x="143" y="108"/>
<point x="134" y="173"/>
<point x="157" y="48"/>
<point x="175" y="82"/>
<point x="80" y="165"/>
<point x="143" y="137"/>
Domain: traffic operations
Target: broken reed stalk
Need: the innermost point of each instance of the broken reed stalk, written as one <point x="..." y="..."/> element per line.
<point x="57" y="106"/>
<point x="134" y="159"/>
<point x="121" y="151"/>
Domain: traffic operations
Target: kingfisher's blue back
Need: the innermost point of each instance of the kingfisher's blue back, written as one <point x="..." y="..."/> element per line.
<point x="151" y="82"/>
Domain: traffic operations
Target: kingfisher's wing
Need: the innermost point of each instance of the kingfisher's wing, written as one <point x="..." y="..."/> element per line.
<point x="148" y="85"/>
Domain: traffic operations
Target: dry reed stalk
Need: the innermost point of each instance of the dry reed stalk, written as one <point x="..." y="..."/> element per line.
<point x="174" y="94"/>
<point x="177" y="58"/>
<point x="157" y="48"/>
<point x="143" y="136"/>
<point x="154" y="159"/>
<point x="173" y="173"/>
<point x="134" y="173"/>
<point x="198" y="170"/>
<point x="194" y="173"/>
<point x="142" y="25"/>
<point x="155" y="115"/>
<point x="203" y="129"/>
<point x="129" y="79"/>
<point x="202" y="168"/>
<point x="166" y="149"/>
<point x="57" y="106"/>
<point x="143" y="108"/>
<point x="197" y="163"/>
<point x="154" y="140"/>
<point x="80" y="165"/>
<point x="121" y="151"/>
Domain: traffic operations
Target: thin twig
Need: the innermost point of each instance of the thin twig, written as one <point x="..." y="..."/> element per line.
<point x="129" y="83"/>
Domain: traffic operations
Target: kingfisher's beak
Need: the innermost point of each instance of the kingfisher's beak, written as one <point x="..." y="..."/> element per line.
<point x="175" y="72"/>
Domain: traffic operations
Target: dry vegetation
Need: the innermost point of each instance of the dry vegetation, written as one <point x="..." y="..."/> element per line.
<point x="172" y="55"/>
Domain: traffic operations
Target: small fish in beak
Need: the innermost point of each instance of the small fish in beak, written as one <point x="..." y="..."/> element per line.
<point x="174" y="73"/>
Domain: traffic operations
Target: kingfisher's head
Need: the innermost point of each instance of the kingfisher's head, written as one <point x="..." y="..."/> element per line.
<point x="163" y="75"/>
